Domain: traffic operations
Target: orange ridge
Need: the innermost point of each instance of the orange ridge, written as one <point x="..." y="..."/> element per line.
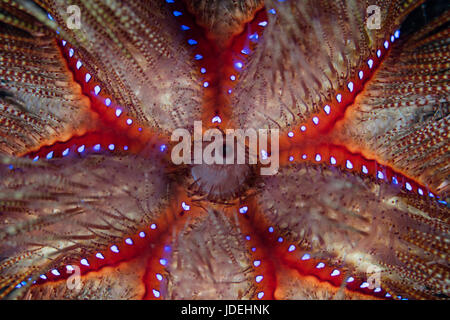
<point x="334" y="110"/>
<point x="219" y="64"/>
<point x="302" y="261"/>
<point x="340" y="156"/>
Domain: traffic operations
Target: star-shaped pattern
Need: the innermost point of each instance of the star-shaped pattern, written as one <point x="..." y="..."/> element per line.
<point x="93" y="207"/>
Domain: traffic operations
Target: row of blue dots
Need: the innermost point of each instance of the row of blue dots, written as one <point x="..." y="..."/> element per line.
<point x="380" y="174"/>
<point x="98" y="255"/>
<point x="350" y="84"/>
<point x="321" y="265"/>
<point x="82" y="149"/>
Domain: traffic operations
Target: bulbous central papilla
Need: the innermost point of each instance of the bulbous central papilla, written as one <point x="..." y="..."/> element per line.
<point x="222" y="164"/>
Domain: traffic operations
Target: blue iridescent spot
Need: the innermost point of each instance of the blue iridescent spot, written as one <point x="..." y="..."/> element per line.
<point x="264" y="156"/>
<point x="243" y="210"/>
<point x="306" y="256"/>
<point x="408" y="186"/>
<point x="350" y="86"/>
<point x="184" y="28"/>
<point x="192" y="42"/>
<point x="253" y="37"/>
<point x="185" y="206"/>
<point x="162" y="148"/>
<point x="272" y="11"/>
<point x="198" y="57"/>
<point x="97" y="147"/>
<point x="177" y="13"/>
<point x="216" y="119"/>
<point x="364" y="285"/>
<point x="245" y="51"/>
<point x="348" y="164"/>
<point x="380" y="175"/>
<point x="316" y="120"/>
<point x="335" y="273"/>
<point x="320" y="265"/>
